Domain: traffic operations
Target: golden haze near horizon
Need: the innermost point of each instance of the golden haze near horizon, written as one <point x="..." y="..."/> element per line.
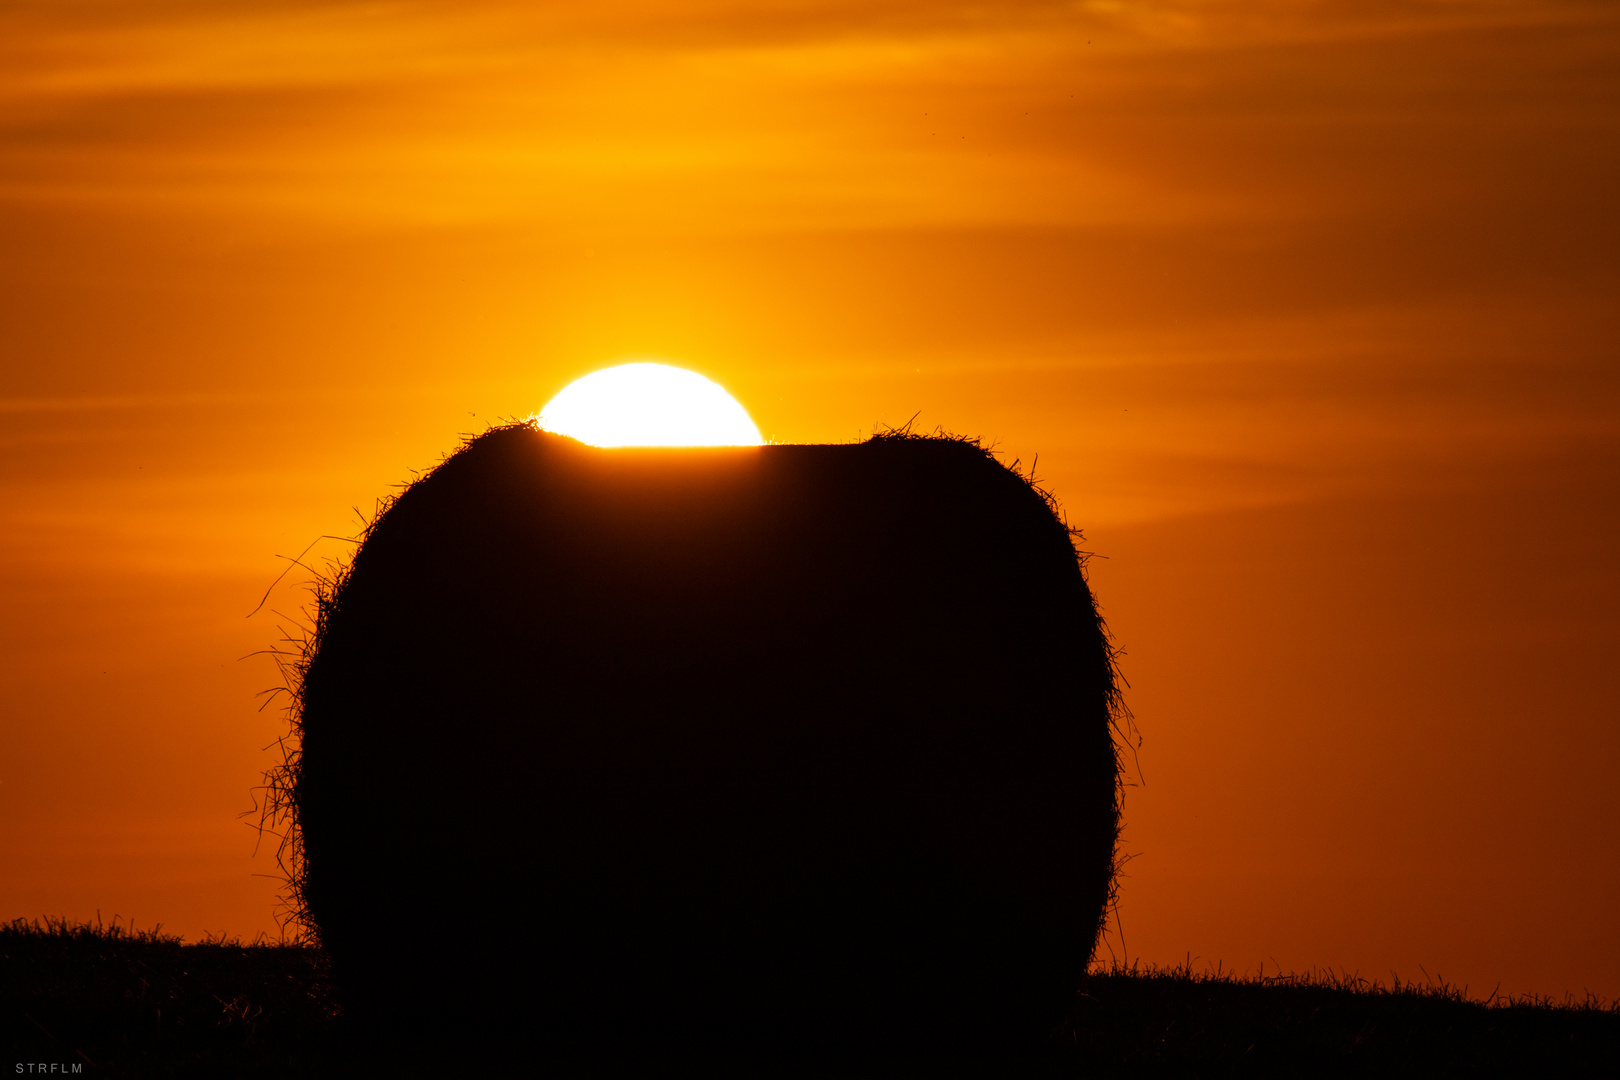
<point x="1306" y="308"/>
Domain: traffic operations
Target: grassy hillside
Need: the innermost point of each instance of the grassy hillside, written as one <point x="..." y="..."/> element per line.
<point x="121" y="1003"/>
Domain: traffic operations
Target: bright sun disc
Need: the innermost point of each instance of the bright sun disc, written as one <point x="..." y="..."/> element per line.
<point x="648" y="405"/>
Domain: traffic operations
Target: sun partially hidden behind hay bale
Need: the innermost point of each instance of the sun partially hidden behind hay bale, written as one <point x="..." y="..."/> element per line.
<point x="794" y="746"/>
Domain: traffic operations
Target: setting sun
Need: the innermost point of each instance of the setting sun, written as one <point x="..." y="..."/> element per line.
<point x="649" y="405"/>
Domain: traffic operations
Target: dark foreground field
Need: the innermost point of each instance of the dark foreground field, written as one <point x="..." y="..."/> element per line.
<point x="121" y="1004"/>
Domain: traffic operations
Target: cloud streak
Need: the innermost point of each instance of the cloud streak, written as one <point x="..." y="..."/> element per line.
<point x="722" y="116"/>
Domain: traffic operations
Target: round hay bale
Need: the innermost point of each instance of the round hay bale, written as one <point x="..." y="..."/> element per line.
<point x="807" y="745"/>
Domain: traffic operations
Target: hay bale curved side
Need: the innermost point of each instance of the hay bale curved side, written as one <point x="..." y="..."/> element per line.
<point x="787" y="740"/>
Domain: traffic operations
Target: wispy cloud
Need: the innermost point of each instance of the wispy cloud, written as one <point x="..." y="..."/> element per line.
<point x="724" y="115"/>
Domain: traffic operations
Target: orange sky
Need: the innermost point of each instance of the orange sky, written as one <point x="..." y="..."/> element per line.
<point x="1307" y="309"/>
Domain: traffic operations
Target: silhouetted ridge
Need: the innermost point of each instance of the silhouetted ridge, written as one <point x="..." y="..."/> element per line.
<point x="794" y="744"/>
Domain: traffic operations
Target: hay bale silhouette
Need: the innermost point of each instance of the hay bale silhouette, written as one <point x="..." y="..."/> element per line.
<point x="803" y="745"/>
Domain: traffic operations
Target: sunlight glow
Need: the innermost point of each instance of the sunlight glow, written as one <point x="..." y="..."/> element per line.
<point x="649" y="405"/>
